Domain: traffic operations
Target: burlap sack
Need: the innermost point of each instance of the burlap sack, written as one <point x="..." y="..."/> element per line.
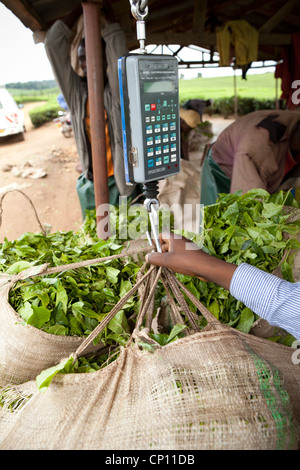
<point x="215" y="389"/>
<point x="25" y="350"/>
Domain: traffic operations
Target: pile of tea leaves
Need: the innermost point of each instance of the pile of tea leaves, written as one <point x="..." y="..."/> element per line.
<point x="239" y="228"/>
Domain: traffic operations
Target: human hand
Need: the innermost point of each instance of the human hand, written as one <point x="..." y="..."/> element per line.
<point x="178" y="254"/>
<point x="185" y="257"/>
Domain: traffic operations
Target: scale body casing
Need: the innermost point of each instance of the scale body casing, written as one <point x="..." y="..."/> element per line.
<point x="150" y="116"/>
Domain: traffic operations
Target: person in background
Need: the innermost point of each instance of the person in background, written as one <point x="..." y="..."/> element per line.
<point x="191" y="114"/>
<point x="258" y="150"/>
<point x="62" y="102"/>
<point x="198" y="105"/>
<point x="75" y="91"/>
<point x="189" y="120"/>
<point x="271" y="298"/>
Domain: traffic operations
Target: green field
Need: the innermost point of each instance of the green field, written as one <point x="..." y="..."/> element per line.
<point x="257" y="92"/>
<point x="22" y="95"/>
<point x="259" y="86"/>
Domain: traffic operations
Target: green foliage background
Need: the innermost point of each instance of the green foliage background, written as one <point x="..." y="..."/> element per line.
<point x="256" y="92"/>
<point x="259" y="86"/>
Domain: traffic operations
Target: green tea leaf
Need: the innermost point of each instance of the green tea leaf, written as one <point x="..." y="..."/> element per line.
<point x="146" y="346"/>
<point x="256" y="192"/>
<point x="287" y="271"/>
<point x="59" y="330"/>
<point x="112" y="274"/>
<point x="39" y="316"/>
<point x="61" y="296"/>
<point x="80" y="309"/>
<point x="118" y="324"/>
<point x="125" y="287"/>
<point x="232" y="213"/>
<point x="18" y="266"/>
<point x="270" y="209"/>
<point x="160" y="338"/>
<point x="214" y="309"/>
<point x="25" y="311"/>
<point x="176" y="330"/>
<point x="44" y="379"/>
<point x="246" y="320"/>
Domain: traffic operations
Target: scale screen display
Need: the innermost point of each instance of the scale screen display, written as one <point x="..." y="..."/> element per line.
<point x="159" y="86"/>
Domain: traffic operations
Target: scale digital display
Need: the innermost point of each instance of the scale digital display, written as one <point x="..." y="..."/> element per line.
<point x="159" y="86"/>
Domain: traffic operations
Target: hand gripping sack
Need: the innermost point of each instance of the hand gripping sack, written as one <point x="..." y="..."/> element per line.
<point x="213" y="389"/>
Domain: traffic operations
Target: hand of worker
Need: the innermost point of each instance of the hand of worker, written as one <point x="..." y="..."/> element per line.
<point x="178" y="254"/>
<point x="185" y="257"/>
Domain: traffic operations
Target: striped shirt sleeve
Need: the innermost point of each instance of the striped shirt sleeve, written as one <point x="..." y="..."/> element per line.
<point x="270" y="297"/>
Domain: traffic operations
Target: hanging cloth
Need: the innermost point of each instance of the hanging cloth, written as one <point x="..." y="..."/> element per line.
<point x="289" y="71"/>
<point x="238" y="39"/>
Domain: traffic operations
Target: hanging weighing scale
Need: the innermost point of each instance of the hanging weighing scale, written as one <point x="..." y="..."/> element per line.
<point x="150" y="117"/>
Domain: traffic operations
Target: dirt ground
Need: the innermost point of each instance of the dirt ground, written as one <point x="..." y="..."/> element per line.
<point x="54" y="195"/>
<point x="47" y="154"/>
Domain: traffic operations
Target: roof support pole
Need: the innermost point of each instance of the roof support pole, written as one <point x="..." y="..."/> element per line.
<point x="235" y="95"/>
<point x="95" y="79"/>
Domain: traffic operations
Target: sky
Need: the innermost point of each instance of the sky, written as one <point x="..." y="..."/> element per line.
<point x="22" y="60"/>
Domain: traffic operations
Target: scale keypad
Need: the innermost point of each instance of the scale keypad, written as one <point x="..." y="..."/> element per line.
<point x="161" y="128"/>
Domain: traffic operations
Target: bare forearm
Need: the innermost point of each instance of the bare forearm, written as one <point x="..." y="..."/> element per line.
<point x="214" y="269"/>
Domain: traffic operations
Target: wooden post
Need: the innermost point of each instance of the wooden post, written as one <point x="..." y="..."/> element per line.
<point x="235" y="95"/>
<point x="276" y="94"/>
<point x="95" y="80"/>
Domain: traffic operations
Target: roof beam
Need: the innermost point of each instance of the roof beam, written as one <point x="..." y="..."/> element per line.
<point x="206" y="39"/>
<point x="26" y="14"/>
<point x="170" y="10"/>
<point x="279" y="16"/>
<point x="252" y="7"/>
<point x="199" y="17"/>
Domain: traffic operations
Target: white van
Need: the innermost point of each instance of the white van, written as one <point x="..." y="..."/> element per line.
<point x="11" y="116"/>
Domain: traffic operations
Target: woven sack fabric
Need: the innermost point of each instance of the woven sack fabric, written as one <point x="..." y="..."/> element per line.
<point x="209" y="390"/>
<point x="25" y="350"/>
